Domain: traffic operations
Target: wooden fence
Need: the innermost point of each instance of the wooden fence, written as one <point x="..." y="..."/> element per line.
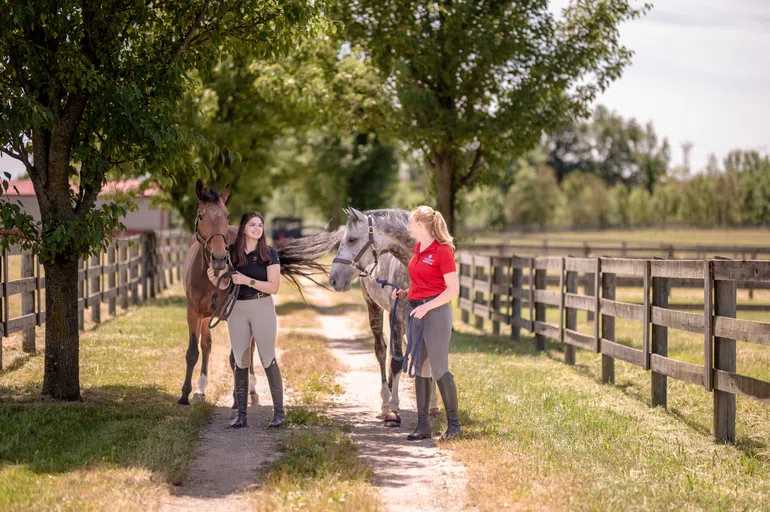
<point x="513" y="291"/>
<point x="133" y="269"/>
<point x="587" y="248"/>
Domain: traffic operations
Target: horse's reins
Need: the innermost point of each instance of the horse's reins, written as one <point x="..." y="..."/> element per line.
<point x="355" y="261"/>
<point x="413" y="346"/>
<point x="220" y="311"/>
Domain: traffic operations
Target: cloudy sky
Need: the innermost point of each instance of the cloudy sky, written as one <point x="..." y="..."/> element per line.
<point x="701" y="73"/>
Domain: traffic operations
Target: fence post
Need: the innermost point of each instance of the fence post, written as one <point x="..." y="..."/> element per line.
<point x="608" y="328"/>
<point x="113" y="301"/>
<point x="28" y="302"/>
<point x="497" y="279"/>
<point x="479" y="297"/>
<point x="517" y="283"/>
<point x="4" y="301"/>
<point x="465" y="292"/>
<point x="541" y="283"/>
<point x="725" y="301"/>
<point x="144" y="275"/>
<point x="659" y="342"/>
<point x="96" y="309"/>
<point x="134" y="271"/>
<point x="170" y="258"/>
<point x="751" y="283"/>
<point x="571" y="314"/>
<point x="589" y="291"/>
<point x="123" y="274"/>
<point x="82" y="272"/>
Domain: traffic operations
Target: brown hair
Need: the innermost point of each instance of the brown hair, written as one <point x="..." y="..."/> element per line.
<point x="239" y="247"/>
<point x="436" y="223"/>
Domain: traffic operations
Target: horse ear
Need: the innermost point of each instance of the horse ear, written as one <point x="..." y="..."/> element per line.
<point x="199" y="188"/>
<point x="356" y="215"/>
<point x="347" y="211"/>
<point x="225" y="194"/>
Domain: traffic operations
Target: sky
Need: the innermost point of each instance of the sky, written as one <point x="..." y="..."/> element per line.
<point x="700" y="73"/>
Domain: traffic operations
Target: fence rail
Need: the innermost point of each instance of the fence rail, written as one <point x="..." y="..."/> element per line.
<point x="131" y="270"/>
<point x="513" y="291"/>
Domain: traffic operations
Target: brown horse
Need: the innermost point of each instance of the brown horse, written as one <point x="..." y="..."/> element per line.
<point x="210" y="247"/>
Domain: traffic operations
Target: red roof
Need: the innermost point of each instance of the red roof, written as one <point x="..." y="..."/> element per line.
<point x="25" y="188"/>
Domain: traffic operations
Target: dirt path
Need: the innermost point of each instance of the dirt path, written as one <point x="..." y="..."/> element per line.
<point x="228" y="461"/>
<point x="409" y="475"/>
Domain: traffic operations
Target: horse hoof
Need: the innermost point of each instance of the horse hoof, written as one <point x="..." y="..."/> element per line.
<point x="199" y="398"/>
<point x="392" y="419"/>
<point x="435" y="413"/>
<point x="254" y="398"/>
<point x="183" y="401"/>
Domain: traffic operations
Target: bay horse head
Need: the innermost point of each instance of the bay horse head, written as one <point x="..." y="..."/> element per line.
<point x="357" y="252"/>
<point x="211" y="223"/>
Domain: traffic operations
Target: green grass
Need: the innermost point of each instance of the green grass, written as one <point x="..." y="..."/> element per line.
<point x="754" y="237"/>
<point x="319" y="468"/>
<point x="544" y="435"/>
<point x="319" y="471"/>
<point x="126" y="442"/>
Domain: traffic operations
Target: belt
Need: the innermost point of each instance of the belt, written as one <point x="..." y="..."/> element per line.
<point x="258" y="295"/>
<point x="419" y="302"/>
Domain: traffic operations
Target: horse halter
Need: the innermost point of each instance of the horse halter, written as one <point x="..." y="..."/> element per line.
<point x="355" y="261"/>
<point x="205" y="241"/>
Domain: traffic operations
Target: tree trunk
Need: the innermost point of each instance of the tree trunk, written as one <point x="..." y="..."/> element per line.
<point x="445" y="185"/>
<point x="62" y="372"/>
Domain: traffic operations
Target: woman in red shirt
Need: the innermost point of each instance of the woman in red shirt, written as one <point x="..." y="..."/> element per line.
<point x="433" y="285"/>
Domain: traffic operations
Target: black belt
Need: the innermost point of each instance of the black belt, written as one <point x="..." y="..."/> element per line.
<point x="258" y="295"/>
<point x="419" y="302"/>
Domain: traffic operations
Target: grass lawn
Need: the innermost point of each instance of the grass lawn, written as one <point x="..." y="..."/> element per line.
<point x="126" y="442"/>
<point x="543" y="435"/>
<point x="754" y="237"/>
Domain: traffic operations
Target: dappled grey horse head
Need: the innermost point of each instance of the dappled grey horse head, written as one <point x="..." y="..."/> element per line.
<point x="356" y="251"/>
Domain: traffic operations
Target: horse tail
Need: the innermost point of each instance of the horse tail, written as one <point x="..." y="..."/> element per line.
<point x="299" y="256"/>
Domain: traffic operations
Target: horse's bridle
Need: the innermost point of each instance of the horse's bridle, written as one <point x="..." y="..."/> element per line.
<point x="355" y="261"/>
<point x="205" y="241"/>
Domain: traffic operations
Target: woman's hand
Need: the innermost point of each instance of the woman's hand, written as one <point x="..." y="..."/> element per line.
<point x="399" y="294"/>
<point x="241" y="279"/>
<point x="420" y="311"/>
<point x="212" y="277"/>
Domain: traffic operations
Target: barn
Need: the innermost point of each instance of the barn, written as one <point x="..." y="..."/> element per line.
<point x="147" y="217"/>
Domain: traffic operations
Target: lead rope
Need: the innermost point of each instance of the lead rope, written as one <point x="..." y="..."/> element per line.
<point x="222" y="310"/>
<point x="413" y="346"/>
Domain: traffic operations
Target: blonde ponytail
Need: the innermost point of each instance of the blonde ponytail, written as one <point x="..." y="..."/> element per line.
<point x="435" y="221"/>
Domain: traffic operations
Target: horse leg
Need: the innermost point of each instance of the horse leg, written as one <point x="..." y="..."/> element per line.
<point x="397" y="353"/>
<point x="435" y="412"/>
<point x="232" y="367"/>
<point x="200" y="394"/>
<point x="191" y="357"/>
<point x="252" y="378"/>
<point x="380" y="349"/>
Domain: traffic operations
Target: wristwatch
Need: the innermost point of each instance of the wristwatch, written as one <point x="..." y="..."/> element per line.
<point x="253" y="283"/>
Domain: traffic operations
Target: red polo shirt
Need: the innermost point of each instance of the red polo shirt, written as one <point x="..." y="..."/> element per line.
<point x="427" y="269"/>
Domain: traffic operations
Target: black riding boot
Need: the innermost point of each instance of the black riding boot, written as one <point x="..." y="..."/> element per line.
<point x="241" y="396"/>
<point x="448" y="390"/>
<point x="422" y="387"/>
<point x="275" y="382"/>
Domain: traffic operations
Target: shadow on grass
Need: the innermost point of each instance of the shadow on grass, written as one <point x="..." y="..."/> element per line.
<point x="469" y="343"/>
<point x="464" y="342"/>
<point x="126" y="426"/>
<point x="17" y="363"/>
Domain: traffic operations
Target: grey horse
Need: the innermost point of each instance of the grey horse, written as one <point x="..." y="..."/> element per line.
<point x="376" y="244"/>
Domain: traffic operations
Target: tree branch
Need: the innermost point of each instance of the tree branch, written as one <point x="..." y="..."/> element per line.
<point x="465" y="180"/>
<point x="186" y="39"/>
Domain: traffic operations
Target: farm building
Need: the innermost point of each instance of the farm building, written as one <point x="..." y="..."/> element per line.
<point x="147" y="217"/>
